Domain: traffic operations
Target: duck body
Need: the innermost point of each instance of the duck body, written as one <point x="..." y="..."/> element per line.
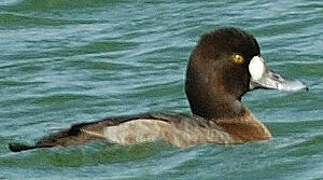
<point x="179" y="130"/>
<point x="224" y="65"/>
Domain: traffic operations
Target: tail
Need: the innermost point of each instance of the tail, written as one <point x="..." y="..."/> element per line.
<point x="16" y="147"/>
<point x="76" y="135"/>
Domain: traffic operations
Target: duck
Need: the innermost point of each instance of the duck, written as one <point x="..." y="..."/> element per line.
<point x="225" y="64"/>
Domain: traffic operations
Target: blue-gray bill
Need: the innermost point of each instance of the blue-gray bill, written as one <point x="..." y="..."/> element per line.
<point x="263" y="77"/>
<point x="273" y="80"/>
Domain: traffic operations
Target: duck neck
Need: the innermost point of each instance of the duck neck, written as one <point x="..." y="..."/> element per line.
<point x="214" y="106"/>
<point x="224" y="107"/>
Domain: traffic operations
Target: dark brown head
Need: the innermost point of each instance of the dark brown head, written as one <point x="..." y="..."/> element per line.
<point x="224" y="65"/>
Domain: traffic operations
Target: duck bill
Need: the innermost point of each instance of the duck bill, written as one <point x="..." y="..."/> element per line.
<point x="263" y="77"/>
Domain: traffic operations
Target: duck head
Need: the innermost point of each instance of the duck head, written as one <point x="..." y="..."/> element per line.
<point x="224" y="65"/>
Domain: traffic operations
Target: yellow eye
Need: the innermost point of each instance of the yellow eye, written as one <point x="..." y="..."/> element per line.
<point x="238" y="59"/>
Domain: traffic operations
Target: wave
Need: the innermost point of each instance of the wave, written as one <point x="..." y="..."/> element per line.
<point x="58" y="4"/>
<point x="22" y="20"/>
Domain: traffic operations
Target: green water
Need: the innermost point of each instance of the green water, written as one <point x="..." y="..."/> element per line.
<point x="70" y="61"/>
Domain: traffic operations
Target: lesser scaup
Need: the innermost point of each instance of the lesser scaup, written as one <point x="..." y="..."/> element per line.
<point x="224" y="65"/>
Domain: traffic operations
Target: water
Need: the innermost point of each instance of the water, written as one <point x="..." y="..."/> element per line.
<point x="69" y="61"/>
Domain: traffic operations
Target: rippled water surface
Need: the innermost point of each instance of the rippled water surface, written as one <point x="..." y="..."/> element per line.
<point x="70" y="61"/>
